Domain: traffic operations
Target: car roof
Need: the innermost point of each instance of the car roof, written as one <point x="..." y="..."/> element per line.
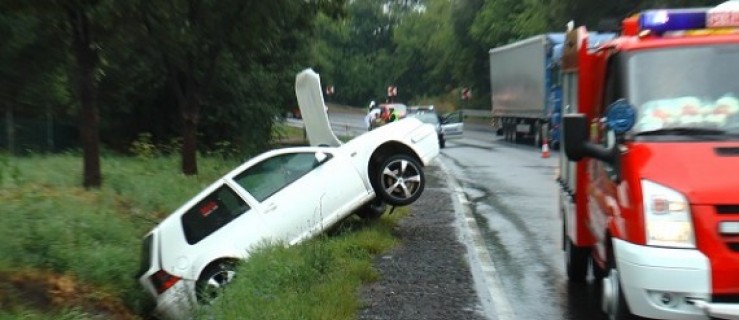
<point x="313" y="109"/>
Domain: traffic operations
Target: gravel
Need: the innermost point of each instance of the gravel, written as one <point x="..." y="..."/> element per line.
<point x="428" y="275"/>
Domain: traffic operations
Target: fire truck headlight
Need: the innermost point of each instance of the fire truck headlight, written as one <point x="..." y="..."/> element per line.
<point x="667" y="217"/>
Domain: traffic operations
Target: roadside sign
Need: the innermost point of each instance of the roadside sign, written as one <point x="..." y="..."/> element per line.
<point x="466" y="93"/>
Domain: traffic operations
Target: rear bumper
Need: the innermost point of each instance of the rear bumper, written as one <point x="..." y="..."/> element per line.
<point x="177" y="303"/>
<point x="663" y="283"/>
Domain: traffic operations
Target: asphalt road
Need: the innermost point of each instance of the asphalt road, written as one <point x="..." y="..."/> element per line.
<point x="512" y="196"/>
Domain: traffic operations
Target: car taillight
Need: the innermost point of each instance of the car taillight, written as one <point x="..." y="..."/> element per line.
<point x="163" y="281"/>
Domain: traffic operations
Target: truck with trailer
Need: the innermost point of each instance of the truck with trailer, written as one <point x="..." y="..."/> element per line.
<point x="526" y="90"/>
<point x="649" y="180"/>
<point x="522" y="77"/>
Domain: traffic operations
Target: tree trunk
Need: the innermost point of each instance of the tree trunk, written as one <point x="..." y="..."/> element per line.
<point x="10" y="129"/>
<point x="190" y="115"/>
<point x="86" y="58"/>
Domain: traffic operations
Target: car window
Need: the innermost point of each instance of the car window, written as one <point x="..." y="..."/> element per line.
<point x="271" y="175"/>
<point x="427" y="117"/>
<point x="213" y="212"/>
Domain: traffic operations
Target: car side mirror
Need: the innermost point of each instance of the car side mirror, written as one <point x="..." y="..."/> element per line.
<point x="322" y="157"/>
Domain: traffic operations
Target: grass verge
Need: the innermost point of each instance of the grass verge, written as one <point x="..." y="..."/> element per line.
<point x="318" y="279"/>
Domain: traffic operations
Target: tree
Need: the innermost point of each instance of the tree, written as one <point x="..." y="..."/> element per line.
<point x="83" y="24"/>
<point x="194" y="39"/>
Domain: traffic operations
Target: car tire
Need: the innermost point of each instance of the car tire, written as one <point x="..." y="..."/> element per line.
<point x="211" y="282"/>
<point x="372" y="210"/>
<point x="555" y="145"/>
<point x="400" y="180"/>
<point x="442" y="142"/>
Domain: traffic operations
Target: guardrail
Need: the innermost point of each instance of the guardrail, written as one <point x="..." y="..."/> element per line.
<point x="340" y="129"/>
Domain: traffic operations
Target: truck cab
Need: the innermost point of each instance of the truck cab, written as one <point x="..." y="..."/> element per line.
<point x="650" y="177"/>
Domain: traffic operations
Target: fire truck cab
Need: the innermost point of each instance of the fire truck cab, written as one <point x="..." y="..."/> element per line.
<point x="649" y="180"/>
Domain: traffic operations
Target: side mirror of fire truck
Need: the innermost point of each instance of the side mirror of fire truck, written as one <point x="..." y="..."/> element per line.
<point x="577" y="145"/>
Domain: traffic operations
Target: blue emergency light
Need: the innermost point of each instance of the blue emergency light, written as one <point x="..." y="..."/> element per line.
<point x="665" y="20"/>
<point x="661" y="21"/>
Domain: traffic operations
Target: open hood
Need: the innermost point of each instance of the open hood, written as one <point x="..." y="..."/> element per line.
<point x="313" y="110"/>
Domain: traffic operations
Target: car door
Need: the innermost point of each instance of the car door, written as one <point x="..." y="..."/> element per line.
<point x="452" y="125"/>
<point x="300" y="193"/>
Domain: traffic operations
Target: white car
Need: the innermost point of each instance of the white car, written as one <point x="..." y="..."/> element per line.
<point x="285" y="195"/>
<point x="448" y="126"/>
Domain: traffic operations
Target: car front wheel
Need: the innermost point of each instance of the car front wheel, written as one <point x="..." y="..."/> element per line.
<point x="400" y="180"/>
<point x="212" y="281"/>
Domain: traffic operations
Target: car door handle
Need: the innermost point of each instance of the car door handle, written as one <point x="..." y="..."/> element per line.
<point x="270" y="207"/>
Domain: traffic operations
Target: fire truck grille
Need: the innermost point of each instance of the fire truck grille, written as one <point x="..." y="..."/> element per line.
<point x="728" y="209"/>
<point x="727" y="152"/>
<point x="725" y="298"/>
<point x="729" y="216"/>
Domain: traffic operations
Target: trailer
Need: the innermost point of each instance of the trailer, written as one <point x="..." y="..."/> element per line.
<point x="523" y="76"/>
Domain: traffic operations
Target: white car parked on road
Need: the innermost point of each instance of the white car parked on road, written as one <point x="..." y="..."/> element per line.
<point x="285" y="195"/>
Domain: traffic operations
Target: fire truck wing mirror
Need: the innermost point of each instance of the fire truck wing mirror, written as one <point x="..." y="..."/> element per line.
<point x="620" y="116"/>
<point x="575" y="134"/>
<point x="576" y="144"/>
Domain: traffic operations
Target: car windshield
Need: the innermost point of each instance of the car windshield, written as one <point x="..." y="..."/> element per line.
<point x="426" y="117"/>
<point x="693" y="90"/>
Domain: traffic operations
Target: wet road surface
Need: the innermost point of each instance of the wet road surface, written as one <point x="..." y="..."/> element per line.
<point x="513" y="198"/>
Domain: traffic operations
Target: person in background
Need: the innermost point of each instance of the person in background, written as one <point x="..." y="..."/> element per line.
<point x="393" y="115"/>
<point x="371" y="116"/>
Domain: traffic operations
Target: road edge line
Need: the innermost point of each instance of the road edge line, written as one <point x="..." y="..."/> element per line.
<point x="476" y="249"/>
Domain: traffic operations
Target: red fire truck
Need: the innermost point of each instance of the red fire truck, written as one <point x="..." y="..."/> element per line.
<point x="650" y="174"/>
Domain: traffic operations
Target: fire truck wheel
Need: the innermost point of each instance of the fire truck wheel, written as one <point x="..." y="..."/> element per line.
<point x="576" y="259"/>
<point x="613" y="300"/>
<point x="598" y="272"/>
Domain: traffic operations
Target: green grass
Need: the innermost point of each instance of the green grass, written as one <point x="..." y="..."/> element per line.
<point x="52" y="226"/>
<point x="318" y="279"/>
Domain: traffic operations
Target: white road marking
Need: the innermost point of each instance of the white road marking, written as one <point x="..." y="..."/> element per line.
<point x="487" y="282"/>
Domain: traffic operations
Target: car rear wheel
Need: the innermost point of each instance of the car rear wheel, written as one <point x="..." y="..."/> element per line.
<point x="372" y="210"/>
<point x="212" y="281"/>
<point x="400" y="180"/>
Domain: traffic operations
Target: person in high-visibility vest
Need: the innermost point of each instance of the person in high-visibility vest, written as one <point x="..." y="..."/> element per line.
<point x="394" y="115"/>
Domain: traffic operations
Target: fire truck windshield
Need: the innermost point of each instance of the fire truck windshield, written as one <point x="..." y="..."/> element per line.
<point x="686" y="88"/>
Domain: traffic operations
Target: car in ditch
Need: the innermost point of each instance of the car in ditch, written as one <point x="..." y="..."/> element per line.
<point x="282" y="196"/>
